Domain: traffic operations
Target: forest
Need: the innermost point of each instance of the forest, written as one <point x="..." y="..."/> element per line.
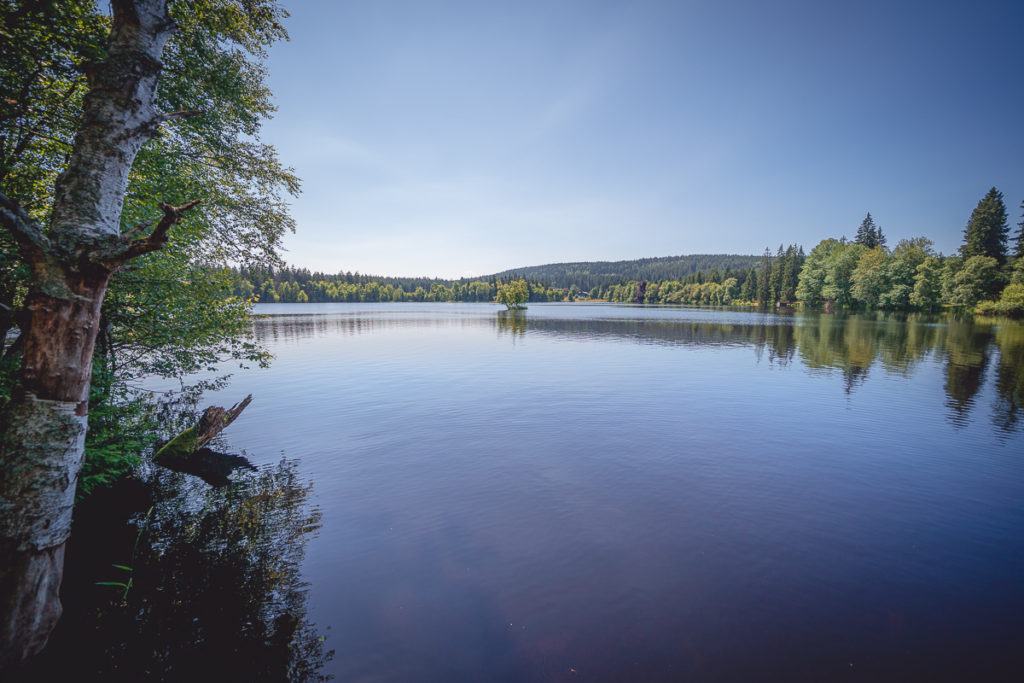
<point x="985" y="275"/>
<point x="586" y="275"/>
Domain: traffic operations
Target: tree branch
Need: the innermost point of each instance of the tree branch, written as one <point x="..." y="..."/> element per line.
<point x="180" y="114"/>
<point x="136" y="231"/>
<point x="129" y="247"/>
<point x="21" y="225"/>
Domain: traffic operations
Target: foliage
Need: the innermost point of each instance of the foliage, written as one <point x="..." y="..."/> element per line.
<point x="977" y="279"/>
<point x="839" y="270"/>
<point x="513" y="294"/>
<point x="870" y="280"/>
<point x="587" y="275"/>
<point x="869" y="234"/>
<point x="812" y="275"/>
<point x="216" y="591"/>
<point x="1011" y="302"/>
<point x="947" y="280"/>
<point x="173" y="312"/>
<point x="927" y="284"/>
<point x="122" y="424"/>
<point x="986" y="231"/>
<point x="901" y="269"/>
<point x="1018" y="251"/>
<point x="1017" y="272"/>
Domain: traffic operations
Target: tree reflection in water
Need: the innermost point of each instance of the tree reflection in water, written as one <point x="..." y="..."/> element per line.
<point x="215" y="592"/>
<point x="851" y="344"/>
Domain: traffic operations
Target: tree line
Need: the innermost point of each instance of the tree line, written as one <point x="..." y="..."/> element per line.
<point x="299" y="285"/>
<point x="586" y="275"/>
<point x="985" y="275"/>
<point x="864" y="273"/>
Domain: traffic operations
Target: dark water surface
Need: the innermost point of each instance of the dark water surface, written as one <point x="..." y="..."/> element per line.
<point x="582" y="492"/>
<point x="601" y="492"/>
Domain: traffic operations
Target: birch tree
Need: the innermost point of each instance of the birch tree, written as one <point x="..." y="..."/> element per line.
<point x="72" y="236"/>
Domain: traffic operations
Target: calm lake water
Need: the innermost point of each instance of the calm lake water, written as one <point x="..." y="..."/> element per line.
<point x="578" y="492"/>
<point x="610" y="493"/>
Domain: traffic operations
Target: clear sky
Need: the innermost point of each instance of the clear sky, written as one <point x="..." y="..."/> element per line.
<point x="463" y="138"/>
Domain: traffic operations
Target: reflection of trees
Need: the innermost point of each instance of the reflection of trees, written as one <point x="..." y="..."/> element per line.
<point x="1009" y="377"/>
<point x="966" y="345"/>
<point x="288" y="327"/>
<point x="216" y="592"/>
<point x="852" y="345"/>
<point x="847" y="344"/>
<point x="513" y="322"/>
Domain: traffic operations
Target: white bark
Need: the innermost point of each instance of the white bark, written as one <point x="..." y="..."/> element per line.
<point x="43" y="442"/>
<point x="39" y="485"/>
<point x="119" y="116"/>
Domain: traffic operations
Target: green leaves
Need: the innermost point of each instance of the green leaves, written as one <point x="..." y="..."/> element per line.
<point x="513" y="294"/>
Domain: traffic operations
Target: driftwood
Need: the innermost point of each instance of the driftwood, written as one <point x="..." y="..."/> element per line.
<point x="187" y="451"/>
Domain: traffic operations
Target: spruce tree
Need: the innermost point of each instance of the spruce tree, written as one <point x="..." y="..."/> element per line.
<point x="764" y="278"/>
<point x="1019" y="239"/>
<point x="748" y="291"/>
<point x="987" y="231"/>
<point x="868" y="233"/>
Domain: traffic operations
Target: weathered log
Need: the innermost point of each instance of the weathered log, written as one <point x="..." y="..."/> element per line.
<point x="211" y="423"/>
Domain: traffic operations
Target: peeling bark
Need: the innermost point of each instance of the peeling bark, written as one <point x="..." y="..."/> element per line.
<point x="43" y="428"/>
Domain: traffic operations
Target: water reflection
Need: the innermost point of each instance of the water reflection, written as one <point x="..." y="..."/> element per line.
<point x="853" y="345"/>
<point x="654" y="493"/>
<point x="1009" y="377"/>
<point x="210" y="584"/>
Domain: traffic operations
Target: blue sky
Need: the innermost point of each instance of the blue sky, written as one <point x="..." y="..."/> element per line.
<point x="462" y="138"/>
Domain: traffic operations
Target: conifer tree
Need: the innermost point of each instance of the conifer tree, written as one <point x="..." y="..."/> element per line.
<point x="775" y="282"/>
<point x="748" y="291"/>
<point x="987" y="231"/>
<point x="868" y="233"/>
<point x="764" y="278"/>
<point x="1019" y="239"/>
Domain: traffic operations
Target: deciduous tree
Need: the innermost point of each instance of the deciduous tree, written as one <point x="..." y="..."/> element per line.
<point x="513" y="294"/>
<point x="73" y="187"/>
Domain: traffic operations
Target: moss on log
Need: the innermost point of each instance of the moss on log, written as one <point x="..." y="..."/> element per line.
<point x="212" y="422"/>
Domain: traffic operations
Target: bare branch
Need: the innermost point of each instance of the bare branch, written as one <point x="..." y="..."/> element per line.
<point x="21" y="225"/>
<point x="180" y="114"/>
<point x="129" y="247"/>
<point x="136" y="231"/>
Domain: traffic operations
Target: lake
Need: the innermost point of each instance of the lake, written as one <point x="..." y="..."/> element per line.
<point x="608" y="493"/>
<point x="605" y="492"/>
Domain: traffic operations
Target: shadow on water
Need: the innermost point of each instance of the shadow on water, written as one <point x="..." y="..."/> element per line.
<point x="204" y="584"/>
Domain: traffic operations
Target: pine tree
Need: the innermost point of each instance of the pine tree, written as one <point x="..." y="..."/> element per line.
<point x="775" y="284"/>
<point x="748" y="291"/>
<point x="868" y="233"/>
<point x="987" y="231"/>
<point x="764" y="279"/>
<point x="1019" y="239"/>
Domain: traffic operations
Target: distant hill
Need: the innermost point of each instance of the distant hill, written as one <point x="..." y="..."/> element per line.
<point x="589" y="274"/>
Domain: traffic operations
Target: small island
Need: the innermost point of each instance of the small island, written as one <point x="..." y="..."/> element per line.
<point x="513" y="294"/>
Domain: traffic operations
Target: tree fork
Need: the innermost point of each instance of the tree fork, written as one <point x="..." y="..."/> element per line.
<point x="42" y="433"/>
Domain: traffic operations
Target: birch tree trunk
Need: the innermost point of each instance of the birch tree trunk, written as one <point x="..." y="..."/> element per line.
<point x="71" y="261"/>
